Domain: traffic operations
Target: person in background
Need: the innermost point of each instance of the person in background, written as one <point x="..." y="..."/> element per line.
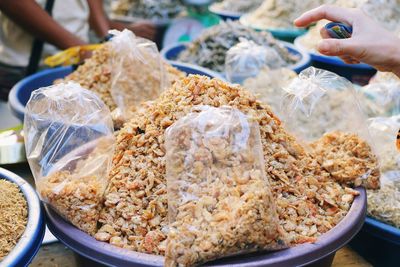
<point x="67" y="24"/>
<point x="370" y="43"/>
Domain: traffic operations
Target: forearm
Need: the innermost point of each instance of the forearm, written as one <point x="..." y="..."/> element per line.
<point x="98" y="19"/>
<point x="32" y="18"/>
<point x="115" y="25"/>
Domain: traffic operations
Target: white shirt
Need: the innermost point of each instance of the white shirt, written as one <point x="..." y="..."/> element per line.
<point x="16" y="44"/>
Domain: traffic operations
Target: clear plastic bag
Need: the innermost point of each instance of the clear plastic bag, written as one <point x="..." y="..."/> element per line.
<point x="323" y="108"/>
<point x="267" y="86"/>
<point x="69" y="141"/>
<point x="382" y="96"/>
<point x="247" y="58"/>
<point x="138" y="73"/>
<point x="219" y="197"/>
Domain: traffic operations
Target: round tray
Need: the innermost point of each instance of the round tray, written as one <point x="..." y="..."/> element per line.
<point x="21" y="92"/>
<point x="30" y="241"/>
<point x="171" y="53"/>
<point x="224" y="14"/>
<point x="284" y="34"/>
<point x="378" y="243"/>
<point x="304" y="254"/>
<point x="382" y="231"/>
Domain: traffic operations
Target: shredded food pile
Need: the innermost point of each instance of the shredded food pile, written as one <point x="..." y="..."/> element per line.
<point x="95" y="75"/>
<point x="280" y="13"/>
<point x="238" y="6"/>
<point x="13" y="216"/>
<point x="210" y="48"/>
<point x="309" y="200"/>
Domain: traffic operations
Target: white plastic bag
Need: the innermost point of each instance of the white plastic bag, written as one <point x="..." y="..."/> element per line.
<point x="138" y="73"/>
<point x="219" y="198"/>
<point x="382" y="96"/>
<point x="322" y="108"/>
<point x="69" y="145"/>
<point x="247" y="58"/>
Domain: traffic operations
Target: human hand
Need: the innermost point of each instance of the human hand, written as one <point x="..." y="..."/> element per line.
<point x="144" y="29"/>
<point x="369" y="43"/>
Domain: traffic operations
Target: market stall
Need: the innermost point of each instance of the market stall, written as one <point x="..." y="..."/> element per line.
<point x="228" y="139"/>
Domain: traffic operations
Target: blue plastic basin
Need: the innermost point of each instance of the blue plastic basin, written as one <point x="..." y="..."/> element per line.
<point x="356" y="73"/>
<point x="378" y="243"/>
<point x="31" y="240"/>
<point x="21" y="92"/>
<point x="172" y="52"/>
<point x="224" y="14"/>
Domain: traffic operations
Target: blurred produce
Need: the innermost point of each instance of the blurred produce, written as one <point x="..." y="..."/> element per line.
<point x="154" y="10"/>
<point x="237" y="6"/>
<point x="210" y="48"/>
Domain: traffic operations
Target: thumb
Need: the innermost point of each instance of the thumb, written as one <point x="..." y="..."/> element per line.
<point x="337" y="47"/>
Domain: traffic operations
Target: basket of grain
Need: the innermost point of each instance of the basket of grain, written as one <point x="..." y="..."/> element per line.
<point x="22" y="225"/>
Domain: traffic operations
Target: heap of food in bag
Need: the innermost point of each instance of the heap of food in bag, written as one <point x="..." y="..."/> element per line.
<point x="385" y="12"/>
<point x="268" y="86"/>
<point x="219" y="200"/>
<point x="239" y="7"/>
<point x="279" y="13"/>
<point x="309" y="201"/>
<point x="210" y="48"/>
<point x="125" y="71"/>
<point x="154" y="10"/>
<point x="322" y="108"/>
<point x="69" y="143"/>
<point x="13" y="217"/>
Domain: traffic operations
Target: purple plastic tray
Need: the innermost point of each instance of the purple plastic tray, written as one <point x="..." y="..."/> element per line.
<point x="301" y="255"/>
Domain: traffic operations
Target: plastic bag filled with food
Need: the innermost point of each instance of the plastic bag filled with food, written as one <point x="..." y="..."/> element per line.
<point x="138" y="73"/>
<point x="219" y="198"/>
<point x="322" y="108"/>
<point x="246" y="59"/>
<point x="382" y="96"/>
<point x="268" y="86"/>
<point x="69" y="143"/>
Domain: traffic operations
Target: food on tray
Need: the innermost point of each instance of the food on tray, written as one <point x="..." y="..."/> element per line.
<point x="386" y="12"/>
<point x="69" y="143"/>
<point x="77" y="194"/>
<point x="219" y="200"/>
<point x="317" y="105"/>
<point x="118" y="61"/>
<point x="13" y="216"/>
<point x="348" y="159"/>
<point x="309" y="201"/>
<point x="236" y="6"/>
<point x="384" y="204"/>
<point x="279" y="13"/>
<point x="210" y="48"/>
<point x="155" y="10"/>
<point x="268" y="86"/>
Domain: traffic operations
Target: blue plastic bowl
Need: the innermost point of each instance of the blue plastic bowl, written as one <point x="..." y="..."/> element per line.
<point x="320" y="253"/>
<point x="284" y="34"/>
<point x="21" y="92"/>
<point x="171" y="53"/>
<point x="224" y="14"/>
<point x="378" y="243"/>
<point x="356" y="73"/>
<point x="30" y="241"/>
